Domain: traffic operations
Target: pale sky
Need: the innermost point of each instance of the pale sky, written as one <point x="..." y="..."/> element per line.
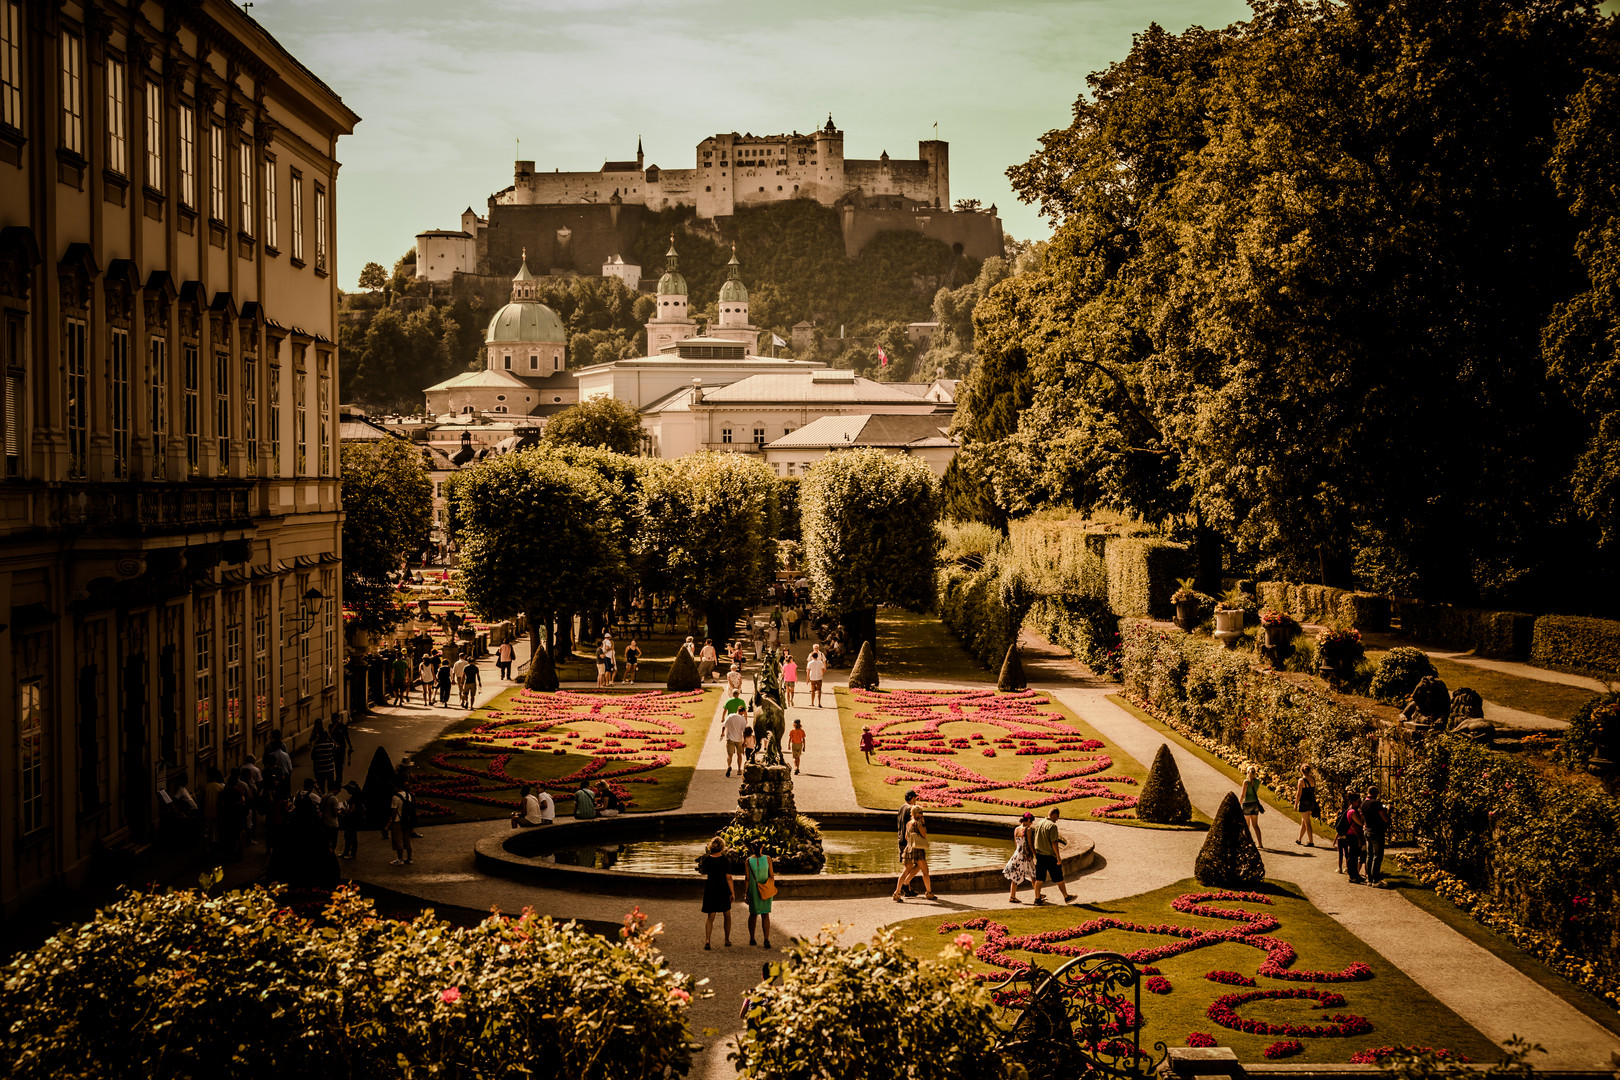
<point x="445" y="87"/>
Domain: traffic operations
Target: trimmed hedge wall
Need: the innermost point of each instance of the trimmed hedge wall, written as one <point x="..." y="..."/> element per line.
<point x="1571" y="643"/>
<point x="1142" y="575"/>
<point x="972" y="606"/>
<point x="1503" y="635"/>
<point x="1082" y="624"/>
<point x="1326" y="606"/>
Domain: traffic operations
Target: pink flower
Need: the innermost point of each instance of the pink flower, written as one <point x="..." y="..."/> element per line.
<point x="450" y="995"/>
<point x="680" y="996"/>
<point x="963" y="941"/>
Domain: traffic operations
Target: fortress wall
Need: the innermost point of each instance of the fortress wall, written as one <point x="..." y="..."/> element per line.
<point x="577" y="187"/>
<point x="596" y="234"/>
<point x="979" y="234"/>
<point x="912" y="179"/>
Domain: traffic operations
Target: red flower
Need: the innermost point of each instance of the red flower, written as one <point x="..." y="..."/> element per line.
<point x="450" y="995"/>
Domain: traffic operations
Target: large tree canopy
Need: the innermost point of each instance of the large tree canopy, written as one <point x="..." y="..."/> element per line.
<point x="387" y="515"/>
<point x="603" y="423"/>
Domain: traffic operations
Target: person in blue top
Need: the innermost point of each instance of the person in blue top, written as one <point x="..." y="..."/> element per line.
<point x="584" y="804"/>
<point x="757" y="871"/>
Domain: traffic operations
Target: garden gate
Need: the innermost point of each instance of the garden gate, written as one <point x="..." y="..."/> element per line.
<point x="1075" y="1021"/>
<point x="1391" y="761"/>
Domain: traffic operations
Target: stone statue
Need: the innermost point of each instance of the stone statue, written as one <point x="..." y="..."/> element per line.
<point x="770" y="718"/>
<point x="1468" y="716"/>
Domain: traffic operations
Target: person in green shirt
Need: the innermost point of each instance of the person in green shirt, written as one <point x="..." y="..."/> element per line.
<point x="1049" y="856"/>
<point x="585" y="806"/>
<point x="734" y="703"/>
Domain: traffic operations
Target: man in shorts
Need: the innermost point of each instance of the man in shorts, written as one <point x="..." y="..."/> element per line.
<point x="1049" y="856"/>
<point x="732" y="732"/>
<point x="815" y="668"/>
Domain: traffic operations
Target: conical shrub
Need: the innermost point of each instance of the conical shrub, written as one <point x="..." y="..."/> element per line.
<point x="1012" y="671"/>
<point x="1164" y="800"/>
<point x="542" y="673"/>
<point x="1229" y="859"/>
<point x="683" y="673"/>
<point x="864" y="675"/>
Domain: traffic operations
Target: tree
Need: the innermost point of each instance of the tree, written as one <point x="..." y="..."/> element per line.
<point x="387" y="516"/>
<point x="538" y="536"/>
<point x="869" y="539"/>
<point x="708" y="533"/>
<point x="602" y="422"/>
<point x="373" y="276"/>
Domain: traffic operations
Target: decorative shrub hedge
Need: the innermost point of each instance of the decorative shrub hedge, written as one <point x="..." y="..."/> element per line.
<point x="974" y="606"/>
<point x="1142" y="575"/>
<point x="1571" y="643"/>
<point x="1504" y="635"/>
<point x="1398" y="672"/>
<point x="1082" y="624"/>
<point x="1580" y="739"/>
<point x="1327" y="606"/>
<point x="1222" y="696"/>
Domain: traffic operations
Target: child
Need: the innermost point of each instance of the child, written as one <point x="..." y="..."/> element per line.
<point x="796" y="741"/>
<point x="748" y="744"/>
<point x="868" y="744"/>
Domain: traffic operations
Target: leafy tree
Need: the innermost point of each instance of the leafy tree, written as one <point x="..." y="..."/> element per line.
<point x="373" y="276"/>
<point x="602" y="422"/>
<point x="387" y="516"/>
<point x="869" y="537"/>
<point x="708" y="533"/>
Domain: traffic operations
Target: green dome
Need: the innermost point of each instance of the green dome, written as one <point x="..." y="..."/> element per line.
<point x="525" y="321"/>
<point x="733" y="292"/>
<point x="671" y="284"/>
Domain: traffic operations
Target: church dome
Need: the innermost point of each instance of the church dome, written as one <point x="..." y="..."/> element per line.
<point x="733" y="291"/>
<point x="671" y="284"/>
<point x="525" y="321"/>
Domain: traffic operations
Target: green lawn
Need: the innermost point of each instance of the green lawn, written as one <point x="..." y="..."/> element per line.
<point x="912" y="646"/>
<point x="1552" y="700"/>
<point x="1399" y="1009"/>
<point x="873" y="788"/>
<point x="487" y="796"/>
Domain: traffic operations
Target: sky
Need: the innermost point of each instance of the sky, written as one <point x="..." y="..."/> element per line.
<point x="447" y="90"/>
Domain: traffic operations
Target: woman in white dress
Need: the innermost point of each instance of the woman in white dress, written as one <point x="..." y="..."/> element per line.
<point x="1021" y="867"/>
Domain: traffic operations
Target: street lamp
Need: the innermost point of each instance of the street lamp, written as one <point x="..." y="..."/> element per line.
<point x="313" y="601"/>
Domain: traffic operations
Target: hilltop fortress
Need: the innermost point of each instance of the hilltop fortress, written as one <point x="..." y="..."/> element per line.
<point x="580" y="221"/>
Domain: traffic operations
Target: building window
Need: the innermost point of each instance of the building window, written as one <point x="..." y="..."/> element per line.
<point x="323" y="415"/>
<point x="11" y="63"/>
<point x="117" y="132"/>
<point x="72" y="94"/>
<point x="320" y="228"/>
<point x="329" y="620"/>
<point x="76" y="371"/>
<point x="234" y="604"/>
<point x="250" y="412"/>
<point x="154" y="135"/>
<point x="193" y="417"/>
<point x="300" y="423"/>
<point x="787" y="431"/>
<point x="31" y="706"/>
<point x="303" y="641"/>
<point x="244" y="154"/>
<point x="14" y="415"/>
<point x="118" y="361"/>
<point x="216" y="170"/>
<point x="297" y="185"/>
<point x="188" y="156"/>
<point x="222" y="412"/>
<point x="759" y="436"/>
<point x="203" y="640"/>
<point x="790" y="469"/>
<point x="272" y="233"/>
<point x="158" y="407"/>
<point x="725" y="435"/>
<point x="506" y="361"/>
<point x="261" y="656"/>
<point x="275" y="419"/>
<point x="534" y="361"/>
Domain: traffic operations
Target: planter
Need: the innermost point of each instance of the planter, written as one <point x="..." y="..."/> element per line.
<point x="1229" y="627"/>
<point x="1187" y="614"/>
<point x="1276" y="635"/>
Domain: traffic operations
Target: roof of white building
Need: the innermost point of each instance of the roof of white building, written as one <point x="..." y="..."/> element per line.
<point x="830" y="387"/>
<point x="664" y="363"/>
<point x="867" y="429"/>
<point x="487" y="377"/>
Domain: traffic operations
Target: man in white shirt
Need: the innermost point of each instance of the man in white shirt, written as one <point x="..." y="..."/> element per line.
<point x="732" y="732"/>
<point x="815" y="668"/>
<point x="538" y="809"/>
<point x="458" y="676"/>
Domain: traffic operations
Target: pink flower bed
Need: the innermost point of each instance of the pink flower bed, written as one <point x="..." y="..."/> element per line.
<point x="1283" y="1048"/>
<point x="1070" y="767"/>
<point x="647" y="729"/>
<point x="1200" y="1038"/>
<point x="1372" y="1055"/>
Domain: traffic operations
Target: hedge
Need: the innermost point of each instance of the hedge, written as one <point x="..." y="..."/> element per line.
<point x="1571" y="643"/>
<point x="1142" y="575"/>
<point x="1223" y="697"/>
<point x="1327" y="606"/>
<point x="1504" y="635"/>
<point x="1082" y="624"/>
<point x="1061" y="557"/>
<point x="972" y="604"/>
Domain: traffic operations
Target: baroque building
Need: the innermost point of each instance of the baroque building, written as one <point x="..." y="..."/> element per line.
<point x="170" y="534"/>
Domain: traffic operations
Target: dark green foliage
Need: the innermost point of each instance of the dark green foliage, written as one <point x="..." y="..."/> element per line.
<point x="1580" y="738"/>
<point x="1504" y="635"/>
<point x="1164" y="798"/>
<point x="1085" y="626"/>
<point x="683" y="673"/>
<point x="603" y="423"/>
<point x="542" y="672"/>
<point x="378" y="792"/>
<point x="864" y="675"/>
<point x="1327" y="606"/>
<point x="388" y="512"/>
<point x="1229" y="859"/>
<point x="787" y="497"/>
<point x="1142" y="574"/>
<point x="1398" y="672"/>
<point x="1012" y="671"/>
<point x="793" y="844"/>
<point x="974" y="607"/>
<point x="1586" y="646"/>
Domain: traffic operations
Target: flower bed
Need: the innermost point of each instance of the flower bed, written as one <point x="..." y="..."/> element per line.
<point x="917" y="735"/>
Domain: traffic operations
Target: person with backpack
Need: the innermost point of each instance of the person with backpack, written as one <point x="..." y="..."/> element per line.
<point x="401" y="820"/>
<point x="1375" y="824"/>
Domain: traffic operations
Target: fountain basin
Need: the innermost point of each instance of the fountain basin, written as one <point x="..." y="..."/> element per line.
<point x="522" y="854"/>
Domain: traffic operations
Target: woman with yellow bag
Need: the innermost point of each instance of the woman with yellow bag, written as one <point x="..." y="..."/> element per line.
<point x="761" y="887"/>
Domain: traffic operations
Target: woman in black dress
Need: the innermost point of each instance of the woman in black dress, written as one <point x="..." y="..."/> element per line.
<point x="1305" y="802"/>
<point x="718" y="893"/>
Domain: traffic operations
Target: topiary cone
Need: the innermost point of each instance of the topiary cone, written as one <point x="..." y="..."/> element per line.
<point x="1012" y="671"/>
<point x="864" y="675"/>
<point x="683" y="673"/>
<point x="1229" y="859"/>
<point x="1164" y="799"/>
<point x="542" y="673"/>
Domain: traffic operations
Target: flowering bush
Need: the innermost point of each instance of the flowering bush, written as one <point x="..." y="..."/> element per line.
<point x="1157" y="984"/>
<point x="1283" y="1048"/>
<point x="1200" y="1038"/>
<point x="1377" y="1055"/>
<point x="1230" y="978"/>
<point x="1223" y="1010"/>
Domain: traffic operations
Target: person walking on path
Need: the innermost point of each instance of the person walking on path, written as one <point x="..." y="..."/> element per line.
<point x="761" y="887"/>
<point x="790" y="677"/>
<point x="1375" y="824"/>
<point x="402" y="679"/>
<point x="445" y="678"/>
<point x="632" y="659"/>
<point x="1354" y="832"/>
<point x="706" y="660"/>
<point x="345" y="745"/>
<point x="1305" y="803"/>
<point x="734" y="679"/>
<point x="902" y="822"/>
<point x="868" y="743"/>
<point x="503" y="660"/>
<point x="731" y="733"/>
<point x="458" y="676"/>
<point x="915" y="856"/>
<point x="796" y="743"/>
<point x="402" y="817"/>
<point x="816" y="668"/>
<point x="1021" y="867"/>
<point x="1049" y="856"/>
<point x="718" y="891"/>
<point x="601" y="667"/>
<point x="427" y="677"/>
<point x="1252" y="806"/>
<point x="323" y="759"/>
<point x="472" y="681"/>
<point x="351" y="816"/>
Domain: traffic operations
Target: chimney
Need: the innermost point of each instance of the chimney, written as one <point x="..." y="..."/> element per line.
<point x="697" y="389"/>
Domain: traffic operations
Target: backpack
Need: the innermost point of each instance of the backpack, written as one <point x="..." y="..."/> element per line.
<point x="407" y="811"/>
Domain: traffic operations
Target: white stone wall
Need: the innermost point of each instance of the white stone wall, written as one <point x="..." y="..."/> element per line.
<point x="440" y="255"/>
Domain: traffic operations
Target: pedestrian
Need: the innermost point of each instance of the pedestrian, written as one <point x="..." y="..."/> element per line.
<point x="748" y="743"/>
<point x="791" y="617"/>
<point x="611" y="657"/>
<point x="1049" y="856"/>
<point x="1375" y="827"/>
<point x="759" y="643"/>
<point x="427" y="676"/>
<point x="530" y="813"/>
<point x="1305" y="803"/>
<point x="738" y="656"/>
<point x="734" y="679"/>
<point x="632" y="659"/>
<point x="473" y="681"/>
<point x="1354" y="834"/>
<point x="761" y="876"/>
<point x="323" y="759"/>
<point x="233" y="805"/>
<point x="1341" y="831"/>
<point x="584" y="804"/>
<point x="607" y="803"/>
<point x="331" y="818"/>
<point x="503" y="660"/>
<point x="276" y="754"/>
<point x="458" y="676"/>
<point x="401" y="822"/>
<point x="401" y="669"/>
<point x="915" y="856"/>
<point x="706" y="660"/>
<point x="1252" y="806"/>
<point x="790" y="676"/>
<point x="691" y="649"/>
<point x="796" y="743"/>
<point x="351" y="817"/>
<point x="601" y="667"/>
<point x="211" y="792"/>
<point x="868" y="743"/>
<point x="718" y="891"/>
<point x="902" y="821"/>
<point x="345" y="745"/>
<point x="816" y="668"/>
<point x="445" y="677"/>
<point x="1021" y="867"/>
<point x="731" y="733"/>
